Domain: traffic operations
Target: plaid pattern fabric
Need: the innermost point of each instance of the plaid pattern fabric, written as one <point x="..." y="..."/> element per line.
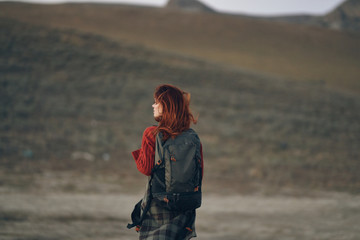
<point x="162" y="224"/>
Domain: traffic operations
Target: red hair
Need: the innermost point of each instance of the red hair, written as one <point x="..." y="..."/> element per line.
<point x="176" y="116"/>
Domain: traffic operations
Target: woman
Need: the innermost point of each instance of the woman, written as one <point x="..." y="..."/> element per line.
<point x="172" y="112"/>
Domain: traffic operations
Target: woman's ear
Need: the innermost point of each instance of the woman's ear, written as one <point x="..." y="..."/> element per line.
<point x="187" y="97"/>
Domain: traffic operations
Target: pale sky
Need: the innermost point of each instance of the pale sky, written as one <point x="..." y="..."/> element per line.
<point x="251" y="7"/>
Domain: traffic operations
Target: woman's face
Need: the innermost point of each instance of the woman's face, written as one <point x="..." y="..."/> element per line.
<point x="157" y="109"/>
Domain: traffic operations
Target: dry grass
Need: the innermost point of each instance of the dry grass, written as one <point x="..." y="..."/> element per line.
<point x="288" y="50"/>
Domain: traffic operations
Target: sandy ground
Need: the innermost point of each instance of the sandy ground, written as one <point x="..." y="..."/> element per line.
<point x="325" y="216"/>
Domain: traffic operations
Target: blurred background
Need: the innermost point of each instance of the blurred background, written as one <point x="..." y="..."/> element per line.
<point x="275" y="85"/>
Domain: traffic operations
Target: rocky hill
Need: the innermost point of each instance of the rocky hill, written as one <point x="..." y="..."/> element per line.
<point x="189" y="5"/>
<point x="344" y="17"/>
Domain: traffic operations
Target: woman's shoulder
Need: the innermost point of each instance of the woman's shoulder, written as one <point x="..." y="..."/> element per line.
<point x="150" y="132"/>
<point x="150" y="129"/>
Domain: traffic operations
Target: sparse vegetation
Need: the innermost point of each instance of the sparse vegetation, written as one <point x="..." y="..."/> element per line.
<point x="66" y="92"/>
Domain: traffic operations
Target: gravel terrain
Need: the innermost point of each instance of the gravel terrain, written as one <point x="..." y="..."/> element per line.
<point x="55" y="216"/>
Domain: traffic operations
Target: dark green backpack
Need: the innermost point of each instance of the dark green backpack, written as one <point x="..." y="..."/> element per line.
<point x="176" y="178"/>
<point x="177" y="175"/>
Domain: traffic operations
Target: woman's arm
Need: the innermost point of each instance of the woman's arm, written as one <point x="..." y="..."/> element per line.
<point x="145" y="156"/>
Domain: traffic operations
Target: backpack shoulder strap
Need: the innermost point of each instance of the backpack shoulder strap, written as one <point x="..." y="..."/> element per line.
<point x="159" y="153"/>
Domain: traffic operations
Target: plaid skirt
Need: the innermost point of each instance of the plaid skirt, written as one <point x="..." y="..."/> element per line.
<point x="162" y="224"/>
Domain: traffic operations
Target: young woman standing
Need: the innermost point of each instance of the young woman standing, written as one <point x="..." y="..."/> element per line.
<point x="172" y="112"/>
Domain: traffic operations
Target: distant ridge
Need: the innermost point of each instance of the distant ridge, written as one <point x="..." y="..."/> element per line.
<point x="189" y="5"/>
